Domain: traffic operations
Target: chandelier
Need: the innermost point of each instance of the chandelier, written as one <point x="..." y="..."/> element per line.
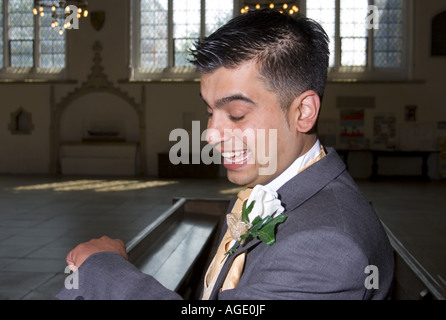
<point x="61" y="12"/>
<point x="289" y="7"/>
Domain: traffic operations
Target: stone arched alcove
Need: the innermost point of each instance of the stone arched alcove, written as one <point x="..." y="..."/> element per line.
<point x="21" y="122"/>
<point x="81" y="109"/>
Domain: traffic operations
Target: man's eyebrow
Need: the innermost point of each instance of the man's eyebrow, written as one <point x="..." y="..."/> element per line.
<point x="225" y="100"/>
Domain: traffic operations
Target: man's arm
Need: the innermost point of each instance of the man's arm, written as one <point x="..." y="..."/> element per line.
<point x="104" y="273"/>
<point x="76" y="257"/>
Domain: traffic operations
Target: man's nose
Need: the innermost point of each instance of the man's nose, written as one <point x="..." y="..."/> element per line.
<point x="217" y="130"/>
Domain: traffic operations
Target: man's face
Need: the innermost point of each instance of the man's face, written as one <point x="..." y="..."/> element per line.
<point x="247" y="126"/>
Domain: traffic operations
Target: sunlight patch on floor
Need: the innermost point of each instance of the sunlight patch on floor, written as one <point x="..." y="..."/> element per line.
<point x="97" y="185"/>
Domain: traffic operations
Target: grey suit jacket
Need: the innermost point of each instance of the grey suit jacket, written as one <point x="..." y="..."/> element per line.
<point x="331" y="246"/>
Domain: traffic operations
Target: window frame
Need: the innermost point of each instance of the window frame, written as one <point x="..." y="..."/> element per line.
<point x="339" y="73"/>
<point x="36" y="72"/>
<point x="170" y="73"/>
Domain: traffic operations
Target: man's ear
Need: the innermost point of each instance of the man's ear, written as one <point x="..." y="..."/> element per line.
<point x="305" y="110"/>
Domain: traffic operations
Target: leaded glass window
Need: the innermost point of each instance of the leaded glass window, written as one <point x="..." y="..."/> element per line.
<point x="1" y="33"/>
<point x="154" y="35"/>
<point x="186" y="28"/>
<point x="52" y="45"/>
<point x="165" y="30"/>
<point x="28" y="43"/>
<point x="366" y="36"/>
<point x="324" y="12"/>
<point x="353" y="32"/>
<point x="217" y="14"/>
<point x="389" y="38"/>
<point x="21" y="33"/>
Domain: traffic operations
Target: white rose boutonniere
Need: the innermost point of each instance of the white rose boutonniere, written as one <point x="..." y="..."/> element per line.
<point x="260" y="215"/>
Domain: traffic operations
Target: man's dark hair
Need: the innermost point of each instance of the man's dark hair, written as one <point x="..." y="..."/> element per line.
<point x="291" y="51"/>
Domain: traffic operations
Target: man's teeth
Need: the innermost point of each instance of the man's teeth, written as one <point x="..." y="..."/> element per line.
<point x="235" y="157"/>
<point x="232" y="154"/>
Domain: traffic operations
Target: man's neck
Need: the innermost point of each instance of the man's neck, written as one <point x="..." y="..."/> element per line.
<point x="300" y="163"/>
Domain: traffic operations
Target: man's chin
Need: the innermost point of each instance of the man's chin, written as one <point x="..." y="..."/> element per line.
<point x="247" y="177"/>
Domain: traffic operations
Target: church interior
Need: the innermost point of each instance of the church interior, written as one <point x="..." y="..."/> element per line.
<point x="86" y="128"/>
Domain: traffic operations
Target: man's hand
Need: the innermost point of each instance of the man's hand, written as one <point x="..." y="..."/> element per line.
<point x="81" y="252"/>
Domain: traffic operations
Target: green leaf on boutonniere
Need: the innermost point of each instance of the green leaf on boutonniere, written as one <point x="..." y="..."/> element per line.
<point x="263" y="229"/>
<point x="246" y="211"/>
<point x="259" y="223"/>
<point x="267" y="233"/>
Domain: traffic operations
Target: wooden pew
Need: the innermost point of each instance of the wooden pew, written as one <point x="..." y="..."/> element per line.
<point x="175" y="248"/>
<point x="412" y="281"/>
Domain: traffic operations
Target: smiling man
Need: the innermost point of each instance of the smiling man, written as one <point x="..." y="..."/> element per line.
<point x="312" y="234"/>
<point x="239" y="107"/>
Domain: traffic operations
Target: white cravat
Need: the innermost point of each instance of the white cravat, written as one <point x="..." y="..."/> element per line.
<point x="297" y="166"/>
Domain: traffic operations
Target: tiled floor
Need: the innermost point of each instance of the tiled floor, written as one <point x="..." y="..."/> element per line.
<point x="42" y="218"/>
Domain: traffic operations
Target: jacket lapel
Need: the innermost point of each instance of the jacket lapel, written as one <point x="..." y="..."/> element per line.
<point x="225" y="269"/>
<point x="310" y="181"/>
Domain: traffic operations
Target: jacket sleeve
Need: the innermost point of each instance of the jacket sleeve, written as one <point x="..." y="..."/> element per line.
<point x="108" y="276"/>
